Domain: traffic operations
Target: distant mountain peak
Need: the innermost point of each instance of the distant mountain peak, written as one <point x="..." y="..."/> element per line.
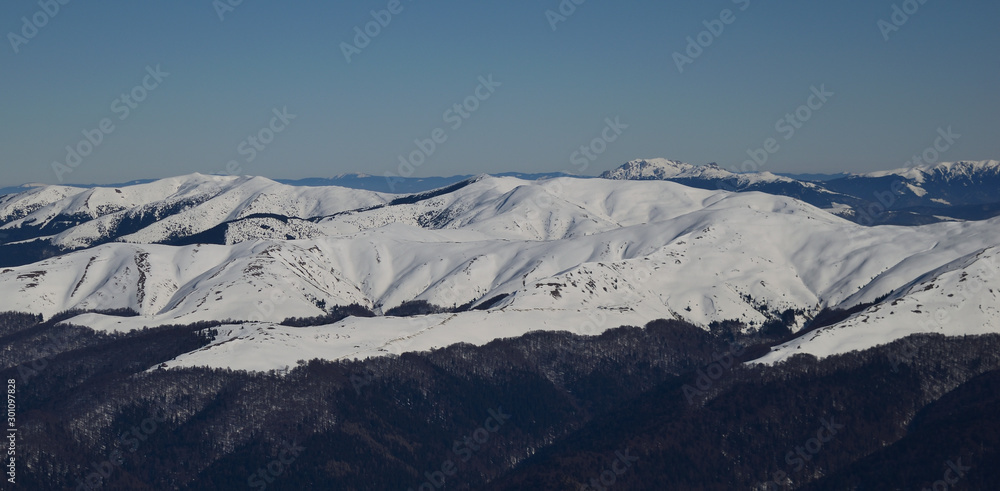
<point x="666" y="169"/>
<point x="650" y="169"/>
<point x="965" y="168"/>
<point x="941" y="170"/>
<point x="352" y="175"/>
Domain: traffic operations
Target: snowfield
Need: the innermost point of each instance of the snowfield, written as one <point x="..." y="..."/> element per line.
<point x="960" y="298"/>
<point x="580" y="255"/>
<point x="180" y="206"/>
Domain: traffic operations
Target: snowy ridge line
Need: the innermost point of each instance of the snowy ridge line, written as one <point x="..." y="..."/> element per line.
<point x="581" y="255"/>
<point x="910" y="196"/>
<point x="958" y="299"/>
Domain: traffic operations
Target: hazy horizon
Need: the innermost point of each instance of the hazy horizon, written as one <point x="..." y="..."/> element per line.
<point x="6" y="185"/>
<point x="287" y="91"/>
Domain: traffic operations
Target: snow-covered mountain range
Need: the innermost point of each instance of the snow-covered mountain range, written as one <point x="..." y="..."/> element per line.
<point x="494" y="256"/>
<point x="908" y="196"/>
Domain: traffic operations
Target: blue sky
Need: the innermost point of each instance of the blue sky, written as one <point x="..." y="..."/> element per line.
<point x="557" y="87"/>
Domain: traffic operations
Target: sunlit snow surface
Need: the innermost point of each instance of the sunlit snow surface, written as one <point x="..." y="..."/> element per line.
<point x="580" y="255"/>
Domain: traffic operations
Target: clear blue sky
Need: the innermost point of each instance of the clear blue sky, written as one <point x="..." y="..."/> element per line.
<point x="607" y="59"/>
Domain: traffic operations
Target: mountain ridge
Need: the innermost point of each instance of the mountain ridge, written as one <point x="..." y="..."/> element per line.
<point x="964" y="190"/>
<point x="582" y="255"/>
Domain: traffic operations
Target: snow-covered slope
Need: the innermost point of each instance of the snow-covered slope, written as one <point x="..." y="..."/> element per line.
<point x="664" y="169"/>
<point x="582" y="255"/>
<point x="959" y="298"/>
<point x="160" y="211"/>
<point x="966" y="190"/>
<point x="538" y="210"/>
<point x="704" y="252"/>
<point x="945" y="171"/>
<point x="15" y="206"/>
<point x="908" y="196"/>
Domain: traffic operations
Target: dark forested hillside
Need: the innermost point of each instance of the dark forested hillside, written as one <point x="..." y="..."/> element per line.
<point x="667" y="406"/>
<point x="758" y="427"/>
<point x="960" y="432"/>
